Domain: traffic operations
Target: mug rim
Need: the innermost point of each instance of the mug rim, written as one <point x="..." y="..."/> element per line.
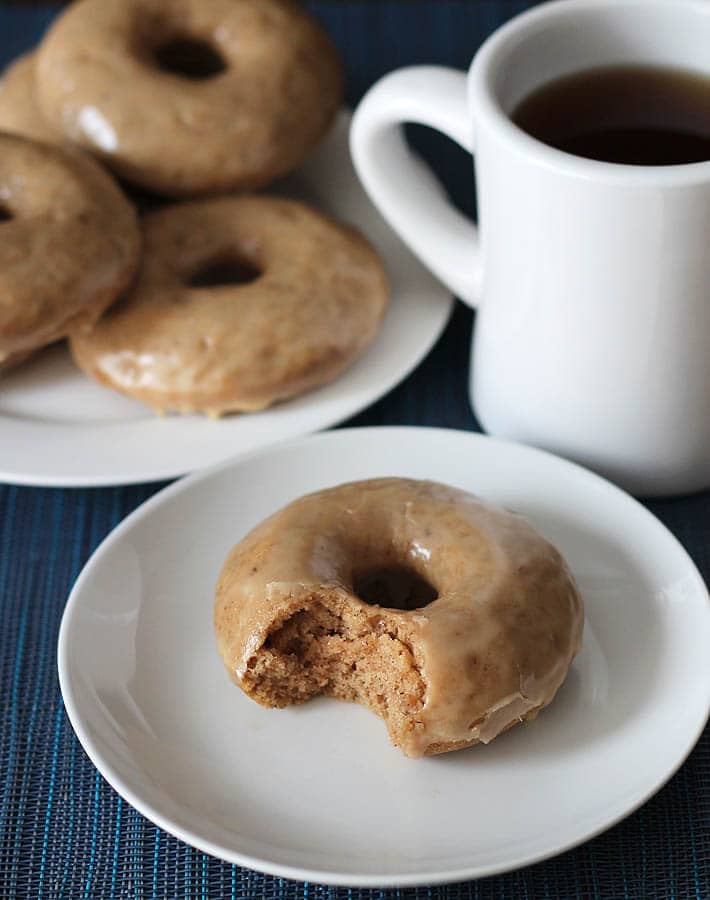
<point x="482" y="98"/>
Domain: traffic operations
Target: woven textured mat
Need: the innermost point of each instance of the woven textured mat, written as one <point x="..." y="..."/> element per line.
<point x="63" y="831"/>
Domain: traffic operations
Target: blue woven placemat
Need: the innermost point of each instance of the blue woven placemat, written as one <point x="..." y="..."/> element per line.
<point x="63" y="831"/>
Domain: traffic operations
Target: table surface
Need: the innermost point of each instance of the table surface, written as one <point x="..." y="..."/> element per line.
<point x="63" y="831"/>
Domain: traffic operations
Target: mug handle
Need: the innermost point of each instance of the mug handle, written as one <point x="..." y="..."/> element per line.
<point x="444" y="239"/>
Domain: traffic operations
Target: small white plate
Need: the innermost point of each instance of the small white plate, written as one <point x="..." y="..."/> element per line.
<point x="317" y="792"/>
<point x="57" y="427"/>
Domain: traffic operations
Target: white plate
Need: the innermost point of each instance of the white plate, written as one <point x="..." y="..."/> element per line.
<point x="317" y="792"/>
<point x="57" y="427"/>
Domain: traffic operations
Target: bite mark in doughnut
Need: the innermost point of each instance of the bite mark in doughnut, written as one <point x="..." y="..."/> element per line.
<point x="190" y="97"/>
<point x="450" y="618"/>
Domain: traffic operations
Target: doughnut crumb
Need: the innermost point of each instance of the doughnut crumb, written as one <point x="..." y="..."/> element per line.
<point x="339" y="652"/>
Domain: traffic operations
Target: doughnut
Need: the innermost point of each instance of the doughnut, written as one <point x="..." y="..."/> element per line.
<point x="240" y="302"/>
<point x="186" y="97"/>
<point x="69" y="244"/>
<point x="450" y="618"/>
<point x="19" y="113"/>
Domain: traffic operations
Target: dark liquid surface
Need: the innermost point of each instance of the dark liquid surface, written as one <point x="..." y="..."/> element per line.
<point x="637" y="115"/>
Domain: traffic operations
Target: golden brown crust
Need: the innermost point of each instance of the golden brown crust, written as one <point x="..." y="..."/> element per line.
<point x="99" y="82"/>
<point x="317" y="303"/>
<point x="19" y="112"/>
<point x="491" y="650"/>
<point x="70" y="243"/>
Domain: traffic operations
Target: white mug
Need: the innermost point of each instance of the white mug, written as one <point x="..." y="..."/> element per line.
<point x="592" y="279"/>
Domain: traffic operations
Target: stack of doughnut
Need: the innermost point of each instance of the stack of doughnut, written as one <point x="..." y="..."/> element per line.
<point x="226" y="300"/>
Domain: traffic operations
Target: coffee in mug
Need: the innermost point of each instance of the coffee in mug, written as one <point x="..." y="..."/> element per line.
<point x="635" y="115"/>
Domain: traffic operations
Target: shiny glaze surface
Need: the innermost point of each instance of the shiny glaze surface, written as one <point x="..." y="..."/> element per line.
<point x="19" y="112"/>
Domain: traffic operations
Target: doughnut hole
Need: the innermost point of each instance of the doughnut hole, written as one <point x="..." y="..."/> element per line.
<point x="6" y="214"/>
<point x="338" y="647"/>
<point x="394" y="587"/>
<point x="224" y="271"/>
<point x="189" y="57"/>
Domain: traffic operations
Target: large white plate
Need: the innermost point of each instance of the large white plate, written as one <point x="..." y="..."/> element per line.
<point x="59" y="428"/>
<point x="317" y="792"/>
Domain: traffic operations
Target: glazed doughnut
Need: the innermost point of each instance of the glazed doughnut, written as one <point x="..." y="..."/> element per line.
<point x="190" y="96"/>
<point x="313" y="295"/>
<point x="450" y="618"/>
<point x="69" y="243"/>
<point x="19" y="112"/>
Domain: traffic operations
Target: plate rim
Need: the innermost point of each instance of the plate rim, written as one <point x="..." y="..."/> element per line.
<point x="315" y="875"/>
<point x="164" y="470"/>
